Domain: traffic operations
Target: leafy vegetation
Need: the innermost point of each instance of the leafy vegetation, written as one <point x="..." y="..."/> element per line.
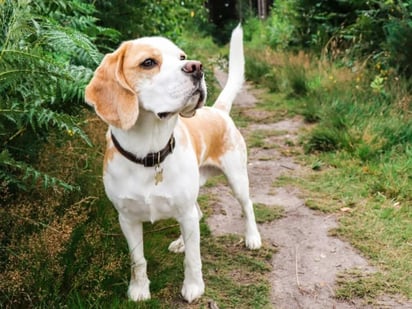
<point x="266" y="213"/>
<point x="45" y="63"/>
<point x="145" y="17"/>
<point x="67" y="249"/>
<point x="61" y="247"/>
<point x="378" y="31"/>
<point x="359" y="148"/>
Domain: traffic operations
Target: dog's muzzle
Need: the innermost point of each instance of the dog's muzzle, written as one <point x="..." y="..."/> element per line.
<point x="194" y="69"/>
<point x="199" y="95"/>
<point x="196" y="98"/>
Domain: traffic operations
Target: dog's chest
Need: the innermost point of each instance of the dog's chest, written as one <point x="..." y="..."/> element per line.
<point x="135" y="194"/>
<point x="147" y="207"/>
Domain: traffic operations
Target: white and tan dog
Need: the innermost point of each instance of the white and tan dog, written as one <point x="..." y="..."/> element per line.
<point x="162" y="144"/>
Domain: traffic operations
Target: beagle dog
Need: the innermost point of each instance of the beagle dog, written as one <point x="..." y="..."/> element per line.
<point x="162" y="144"/>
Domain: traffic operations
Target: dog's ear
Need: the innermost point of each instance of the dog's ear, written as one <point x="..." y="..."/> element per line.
<point x="110" y="94"/>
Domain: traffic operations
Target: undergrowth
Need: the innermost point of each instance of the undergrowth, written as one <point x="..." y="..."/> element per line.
<point x="358" y="144"/>
<point x="67" y="249"/>
<point x="47" y="56"/>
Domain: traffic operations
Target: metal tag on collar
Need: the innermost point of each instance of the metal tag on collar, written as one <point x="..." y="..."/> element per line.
<point x="158" y="174"/>
<point x="158" y="171"/>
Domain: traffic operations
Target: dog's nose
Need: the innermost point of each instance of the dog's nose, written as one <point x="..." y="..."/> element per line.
<point x="193" y="68"/>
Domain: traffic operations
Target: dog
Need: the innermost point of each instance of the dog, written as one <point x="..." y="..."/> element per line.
<point x="163" y="144"/>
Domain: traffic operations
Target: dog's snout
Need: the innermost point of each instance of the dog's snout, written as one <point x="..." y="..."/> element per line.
<point x="194" y="68"/>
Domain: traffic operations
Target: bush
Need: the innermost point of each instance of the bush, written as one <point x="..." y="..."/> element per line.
<point x="380" y="32"/>
<point x="281" y="25"/>
<point x="45" y="63"/>
<point x="361" y="121"/>
<point x="145" y="17"/>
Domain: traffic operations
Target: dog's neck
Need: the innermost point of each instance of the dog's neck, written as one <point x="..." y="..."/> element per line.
<point x="148" y="134"/>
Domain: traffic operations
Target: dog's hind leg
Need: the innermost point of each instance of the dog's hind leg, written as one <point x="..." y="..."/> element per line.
<point x="139" y="283"/>
<point x="234" y="166"/>
<point x="178" y="245"/>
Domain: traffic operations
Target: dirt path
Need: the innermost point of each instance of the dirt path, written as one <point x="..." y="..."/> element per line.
<point x="307" y="259"/>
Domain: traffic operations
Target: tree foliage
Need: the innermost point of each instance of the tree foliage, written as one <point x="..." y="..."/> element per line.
<point x="380" y="31"/>
<point x="47" y="53"/>
<point x="151" y="17"/>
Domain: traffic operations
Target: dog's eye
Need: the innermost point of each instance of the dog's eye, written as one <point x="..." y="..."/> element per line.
<point x="182" y="57"/>
<point x="148" y="63"/>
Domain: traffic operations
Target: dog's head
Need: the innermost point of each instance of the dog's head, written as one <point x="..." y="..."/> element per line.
<point x="150" y="73"/>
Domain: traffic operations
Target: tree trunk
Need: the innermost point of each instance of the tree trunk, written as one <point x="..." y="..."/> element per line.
<point x="262" y="9"/>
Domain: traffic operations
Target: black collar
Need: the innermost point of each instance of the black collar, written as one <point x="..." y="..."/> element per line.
<point x="152" y="159"/>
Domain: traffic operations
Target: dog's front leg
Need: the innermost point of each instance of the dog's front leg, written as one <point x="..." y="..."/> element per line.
<point x="193" y="285"/>
<point x="139" y="283"/>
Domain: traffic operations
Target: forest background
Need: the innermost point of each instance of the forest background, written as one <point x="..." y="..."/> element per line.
<point x="352" y="80"/>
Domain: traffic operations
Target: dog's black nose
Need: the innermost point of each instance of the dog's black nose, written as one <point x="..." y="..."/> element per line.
<point x="194" y="68"/>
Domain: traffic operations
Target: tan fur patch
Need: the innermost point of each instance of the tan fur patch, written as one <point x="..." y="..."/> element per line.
<point x="135" y="55"/>
<point x="208" y="131"/>
<point x="109" y="153"/>
<point x="114" y="86"/>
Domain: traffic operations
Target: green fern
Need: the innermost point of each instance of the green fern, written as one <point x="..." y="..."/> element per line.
<point x="22" y="174"/>
<point x="47" y="56"/>
<point x="70" y="41"/>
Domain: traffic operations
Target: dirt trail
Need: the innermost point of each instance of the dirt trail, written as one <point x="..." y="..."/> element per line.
<point x="307" y="259"/>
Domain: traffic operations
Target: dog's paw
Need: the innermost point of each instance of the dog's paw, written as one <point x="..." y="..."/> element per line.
<point x="138" y="292"/>
<point x="177" y="246"/>
<point x="253" y="242"/>
<point x="192" y="291"/>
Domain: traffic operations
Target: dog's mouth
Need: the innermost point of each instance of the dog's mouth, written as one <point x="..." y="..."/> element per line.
<point x="164" y="115"/>
<point x="190" y="110"/>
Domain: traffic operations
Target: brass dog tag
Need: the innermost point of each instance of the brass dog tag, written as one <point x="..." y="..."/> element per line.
<point x="158" y="175"/>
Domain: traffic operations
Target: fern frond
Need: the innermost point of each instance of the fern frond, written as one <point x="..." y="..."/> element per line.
<point x="15" y="22"/>
<point x="41" y="118"/>
<point x="19" y="174"/>
<point x="19" y="69"/>
<point x="68" y="41"/>
<point x="72" y="88"/>
<point x="45" y="64"/>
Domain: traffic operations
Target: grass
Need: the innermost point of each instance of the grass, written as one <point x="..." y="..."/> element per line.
<point x="264" y="213"/>
<point x="358" y="149"/>
<point x="258" y="138"/>
<point x="355" y="284"/>
<point x="66" y="249"/>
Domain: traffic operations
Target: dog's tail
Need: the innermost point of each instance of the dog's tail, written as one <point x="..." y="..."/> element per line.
<point x="236" y="71"/>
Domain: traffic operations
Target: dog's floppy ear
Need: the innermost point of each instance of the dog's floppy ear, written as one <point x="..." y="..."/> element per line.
<point x="110" y="94"/>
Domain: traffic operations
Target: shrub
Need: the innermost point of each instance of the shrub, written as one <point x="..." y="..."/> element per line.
<point x="45" y="63"/>
<point x="145" y="17"/>
<point x="281" y="24"/>
<point x="296" y="75"/>
<point x="361" y="121"/>
<point x="380" y="32"/>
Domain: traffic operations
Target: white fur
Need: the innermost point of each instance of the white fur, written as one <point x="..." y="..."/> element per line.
<point x="131" y="186"/>
<point x="236" y="76"/>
